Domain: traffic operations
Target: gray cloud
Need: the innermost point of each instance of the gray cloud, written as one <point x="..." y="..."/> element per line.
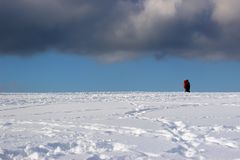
<point x="114" y="30"/>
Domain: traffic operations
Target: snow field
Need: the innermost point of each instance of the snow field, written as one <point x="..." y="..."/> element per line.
<point x="120" y="126"/>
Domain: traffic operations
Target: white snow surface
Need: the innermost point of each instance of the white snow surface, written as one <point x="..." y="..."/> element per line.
<point x="120" y="126"/>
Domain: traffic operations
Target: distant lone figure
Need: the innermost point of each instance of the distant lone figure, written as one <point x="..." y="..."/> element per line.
<point x="186" y="85"/>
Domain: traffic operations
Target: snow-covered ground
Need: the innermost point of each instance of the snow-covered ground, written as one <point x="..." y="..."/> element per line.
<point x="121" y="126"/>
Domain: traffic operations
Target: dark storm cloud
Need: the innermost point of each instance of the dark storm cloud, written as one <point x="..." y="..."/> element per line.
<point x="120" y="29"/>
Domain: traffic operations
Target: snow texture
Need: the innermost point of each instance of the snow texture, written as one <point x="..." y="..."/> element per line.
<point x="120" y="126"/>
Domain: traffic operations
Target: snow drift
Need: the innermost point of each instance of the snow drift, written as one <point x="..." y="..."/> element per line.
<point x="120" y="126"/>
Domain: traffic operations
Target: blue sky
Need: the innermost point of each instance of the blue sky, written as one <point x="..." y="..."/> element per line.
<point x="53" y="72"/>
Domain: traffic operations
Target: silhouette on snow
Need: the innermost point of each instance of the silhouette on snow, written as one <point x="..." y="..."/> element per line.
<point x="186" y="85"/>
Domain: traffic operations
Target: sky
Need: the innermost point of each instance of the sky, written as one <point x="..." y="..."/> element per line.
<point x="121" y="45"/>
<point x="54" y="72"/>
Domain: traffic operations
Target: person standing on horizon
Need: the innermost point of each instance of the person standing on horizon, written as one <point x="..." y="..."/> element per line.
<point x="186" y="85"/>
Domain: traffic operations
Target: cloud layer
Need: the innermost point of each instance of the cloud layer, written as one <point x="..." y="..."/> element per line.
<point x="121" y="29"/>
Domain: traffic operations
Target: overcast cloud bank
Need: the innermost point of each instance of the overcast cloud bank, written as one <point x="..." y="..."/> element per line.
<point x="122" y="29"/>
